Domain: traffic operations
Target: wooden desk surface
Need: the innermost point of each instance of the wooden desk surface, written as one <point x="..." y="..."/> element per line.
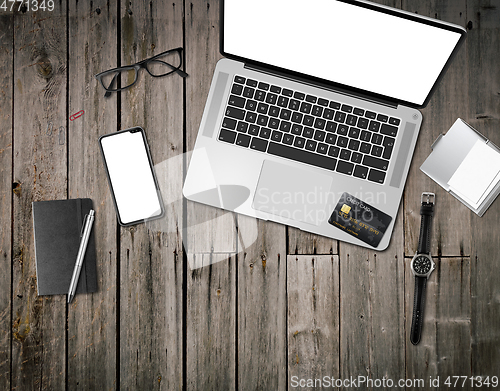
<point x="290" y="303"/>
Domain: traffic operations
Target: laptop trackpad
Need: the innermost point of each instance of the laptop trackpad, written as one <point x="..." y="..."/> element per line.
<point x="292" y="193"/>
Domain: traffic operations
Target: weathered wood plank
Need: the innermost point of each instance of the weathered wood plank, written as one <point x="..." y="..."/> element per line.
<point x="151" y="269"/>
<point x="261" y="307"/>
<point x="40" y="167"/>
<point x="372" y="311"/>
<point x="211" y="315"/>
<point x="92" y="317"/>
<point x="211" y="290"/>
<point x="483" y="49"/>
<point x="445" y="347"/>
<point x="6" y="86"/>
<point x="451" y="232"/>
<point x="313" y="298"/>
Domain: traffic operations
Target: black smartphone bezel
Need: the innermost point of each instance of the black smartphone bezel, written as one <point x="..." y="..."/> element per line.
<point x="135" y="129"/>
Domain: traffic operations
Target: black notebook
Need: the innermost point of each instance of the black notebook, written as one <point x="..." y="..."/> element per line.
<point x="57" y="229"/>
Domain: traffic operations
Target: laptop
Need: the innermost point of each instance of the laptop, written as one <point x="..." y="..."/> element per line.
<point x="312" y="116"/>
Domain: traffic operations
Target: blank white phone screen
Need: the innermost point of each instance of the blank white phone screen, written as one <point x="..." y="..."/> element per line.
<point x="341" y="42"/>
<point x="131" y="176"/>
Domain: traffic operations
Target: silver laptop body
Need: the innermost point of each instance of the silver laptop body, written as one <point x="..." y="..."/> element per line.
<point x="323" y="106"/>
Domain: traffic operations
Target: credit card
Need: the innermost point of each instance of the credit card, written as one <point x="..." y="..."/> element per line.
<point x="360" y="219"/>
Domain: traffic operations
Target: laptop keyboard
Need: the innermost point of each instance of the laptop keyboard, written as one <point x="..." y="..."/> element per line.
<point x="309" y="129"/>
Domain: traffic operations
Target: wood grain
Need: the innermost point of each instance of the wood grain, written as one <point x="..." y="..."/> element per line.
<point x="451" y="231"/>
<point x="151" y="271"/>
<point x="40" y="169"/>
<point x="483" y="50"/>
<point x="261" y="310"/>
<point x="92" y="318"/>
<point x="313" y="298"/>
<point x="6" y="188"/>
<point x="372" y="311"/>
<point x="445" y="347"/>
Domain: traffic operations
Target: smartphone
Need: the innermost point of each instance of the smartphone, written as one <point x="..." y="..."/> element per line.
<point x="131" y="176"/>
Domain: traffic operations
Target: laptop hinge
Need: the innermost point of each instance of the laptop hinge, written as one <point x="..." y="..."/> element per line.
<point x="321" y="85"/>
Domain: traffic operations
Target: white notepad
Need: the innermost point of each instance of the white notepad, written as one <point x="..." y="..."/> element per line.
<point x="467" y="165"/>
<point x="477" y="173"/>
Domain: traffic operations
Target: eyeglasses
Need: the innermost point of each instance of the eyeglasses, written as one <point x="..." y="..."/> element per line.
<point x="162" y="64"/>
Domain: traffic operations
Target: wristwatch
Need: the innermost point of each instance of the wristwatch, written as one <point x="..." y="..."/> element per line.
<point x="422" y="265"/>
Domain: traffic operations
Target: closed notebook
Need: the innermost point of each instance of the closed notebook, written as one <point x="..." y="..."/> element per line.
<point x="57" y="228"/>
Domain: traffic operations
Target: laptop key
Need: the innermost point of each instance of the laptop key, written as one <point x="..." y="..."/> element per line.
<point x="265" y="133"/>
<point x="345" y="167"/>
<point x="275" y="89"/>
<point x="299" y="95"/>
<point x="331" y="126"/>
<point x="262" y="108"/>
<point x="377" y="151"/>
<point x="288" y="139"/>
<point x="365" y="136"/>
<point x="323" y="102"/>
<point x="273" y="123"/>
<point x="283" y="101"/>
<point x="305" y="107"/>
<point x="319" y="135"/>
<point x="374" y="126"/>
<point x="271" y="98"/>
<point x="237" y="89"/>
<point x="319" y="123"/>
<point x="351" y="120"/>
<point x="377" y="138"/>
<point x="375" y="162"/>
<point x="301" y="155"/>
<point x="253" y="130"/>
<point x="308" y="120"/>
<point x="362" y="123"/>
<point x="237" y="101"/>
<point x="311" y="99"/>
<point x="382" y="118"/>
<point x="297" y="117"/>
<point x="287" y="92"/>
<point x="347" y="108"/>
<point x="251" y="117"/>
<point x="328" y="114"/>
<point x="360" y="171"/>
<point x="234" y="112"/>
<point x="229" y="123"/>
<point x="353" y="145"/>
<point x="248" y="92"/>
<point x="311" y="145"/>
<point x="365" y="148"/>
<point x="387" y="153"/>
<point x="353" y="132"/>
<point x="356" y="157"/>
<point x="389" y="130"/>
<point x="251" y="105"/>
<point x="252" y="83"/>
<point x="345" y="154"/>
<point x="388" y="141"/>
<point x="317" y="111"/>
<point x="358" y="111"/>
<point x="285" y="126"/>
<point x="294" y="104"/>
<point x="242" y="127"/>
<point x="322" y="148"/>
<point x="340" y="117"/>
<point x="331" y="138"/>
<point x="263" y="86"/>
<point x="333" y="151"/>
<point x="259" y="95"/>
<point x="376" y="176"/>
<point x="285" y="114"/>
<point x="334" y="105"/>
<point x="239" y="79"/>
<point x="262" y="120"/>
<point x="258" y="144"/>
<point x="342" y="130"/>
<point x="297" y="129"/>
<point x="308" y="132"/>
<point x="370" y="115"/>
<point x="276" y="136"/>
<point x="243" y="140"/>
<point x="299" y="142"/>
<point x="274" y="111"/>
<point x="394" y="121"/>
<point x="342" y="142"/>
<point x="227" y="136"/>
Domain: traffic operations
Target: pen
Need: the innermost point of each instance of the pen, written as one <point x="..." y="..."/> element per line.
<point x="87" y="227"/>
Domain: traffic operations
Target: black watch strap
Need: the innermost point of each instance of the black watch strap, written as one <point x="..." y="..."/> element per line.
<point x="418" y="309"/>
<point x="424" y="242"/>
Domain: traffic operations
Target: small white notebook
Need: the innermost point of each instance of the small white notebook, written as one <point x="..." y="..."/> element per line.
<point x="467" y="165"/>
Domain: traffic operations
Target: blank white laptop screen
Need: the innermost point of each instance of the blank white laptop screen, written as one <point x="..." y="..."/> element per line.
<point x="340" y="42"/>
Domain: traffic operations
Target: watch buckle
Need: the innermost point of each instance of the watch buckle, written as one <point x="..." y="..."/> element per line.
<point x="429" y="196"/>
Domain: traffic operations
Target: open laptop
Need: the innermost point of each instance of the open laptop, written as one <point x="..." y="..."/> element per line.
<point x="312" y="117"/>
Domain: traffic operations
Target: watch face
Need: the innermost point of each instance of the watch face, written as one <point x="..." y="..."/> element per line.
<point x="422" y="265"/>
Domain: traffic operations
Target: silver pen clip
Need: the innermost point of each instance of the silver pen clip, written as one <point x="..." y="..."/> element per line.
<point x="83" y="225"/>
